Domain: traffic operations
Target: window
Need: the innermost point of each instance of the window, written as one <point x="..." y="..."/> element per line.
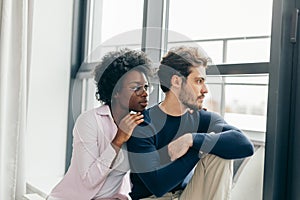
<point x="241" y="99"/>
<point x="112" y="24"/>
<point x="235" y="34"/>
<point x="242" y="29"/>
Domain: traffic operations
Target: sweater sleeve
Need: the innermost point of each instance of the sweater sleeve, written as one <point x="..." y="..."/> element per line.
<point x="145" y="162"/>
<point x="227" y="142"/>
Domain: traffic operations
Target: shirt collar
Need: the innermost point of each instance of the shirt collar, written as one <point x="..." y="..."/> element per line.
<point x="103" y="110"/>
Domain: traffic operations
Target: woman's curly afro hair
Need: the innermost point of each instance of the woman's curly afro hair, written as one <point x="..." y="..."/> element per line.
<point x="113" y="66"/>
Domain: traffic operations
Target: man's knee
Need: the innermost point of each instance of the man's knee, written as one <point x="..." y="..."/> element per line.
<point x="216" y="162"/>
<point x="214" y="158"/>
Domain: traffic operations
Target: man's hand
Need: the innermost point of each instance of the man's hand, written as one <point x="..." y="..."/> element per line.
<point x="125" y="128"/>
<point x="180" y="146"/>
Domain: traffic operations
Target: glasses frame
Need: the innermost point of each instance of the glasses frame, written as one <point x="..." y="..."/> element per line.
<point x="139" y="89"/>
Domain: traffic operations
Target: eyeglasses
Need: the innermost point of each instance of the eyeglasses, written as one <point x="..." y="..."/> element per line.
<point x="139" y="89"/>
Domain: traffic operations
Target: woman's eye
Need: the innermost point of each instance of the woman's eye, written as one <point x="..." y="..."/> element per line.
<point x="137" y="88"/>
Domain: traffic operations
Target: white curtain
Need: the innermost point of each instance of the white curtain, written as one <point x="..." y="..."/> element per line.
<point x="15" y="43"/>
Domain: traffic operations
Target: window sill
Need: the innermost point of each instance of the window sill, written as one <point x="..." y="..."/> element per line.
<point x="41" y="186"/>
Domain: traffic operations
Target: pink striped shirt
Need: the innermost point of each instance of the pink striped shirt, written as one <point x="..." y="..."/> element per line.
<point x="89" y="175"/>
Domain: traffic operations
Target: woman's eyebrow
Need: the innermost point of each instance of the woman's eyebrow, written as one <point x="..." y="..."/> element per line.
<point x="137" y="82"/>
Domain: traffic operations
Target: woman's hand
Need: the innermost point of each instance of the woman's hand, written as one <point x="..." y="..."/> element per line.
<point x="125" y="128"/>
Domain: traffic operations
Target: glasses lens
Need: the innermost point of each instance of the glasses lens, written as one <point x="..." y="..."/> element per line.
<point x="150" y="89"/>
<point x="140" y="89"/>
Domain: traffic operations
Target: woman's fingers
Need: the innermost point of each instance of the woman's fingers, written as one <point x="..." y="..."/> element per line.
<point x="130" y="121"/>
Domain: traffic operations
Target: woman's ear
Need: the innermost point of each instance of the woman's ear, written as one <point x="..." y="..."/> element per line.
<point x="116" y="95"/>
<point x="176" y="81"/>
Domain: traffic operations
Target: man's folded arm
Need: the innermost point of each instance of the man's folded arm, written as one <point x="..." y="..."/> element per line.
<point x="227" y="142"/>
<point x="230" y="144"/>
<point x="145" y="162"/>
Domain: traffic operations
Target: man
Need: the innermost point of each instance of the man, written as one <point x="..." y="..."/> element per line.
<point x="182" y="151"/>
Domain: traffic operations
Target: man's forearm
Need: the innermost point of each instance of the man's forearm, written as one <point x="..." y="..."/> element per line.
<point x="231" y="144"/>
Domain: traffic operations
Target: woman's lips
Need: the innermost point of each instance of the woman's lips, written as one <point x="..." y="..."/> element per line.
<point x="144" y="104"/>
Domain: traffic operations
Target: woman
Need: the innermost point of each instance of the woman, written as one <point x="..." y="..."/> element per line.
<point x="99" y="163"/>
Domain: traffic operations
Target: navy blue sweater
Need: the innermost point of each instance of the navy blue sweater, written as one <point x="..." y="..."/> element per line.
<point x="152" y="171"/>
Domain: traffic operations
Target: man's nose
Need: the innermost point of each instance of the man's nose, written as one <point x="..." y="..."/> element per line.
<point x="204" y="89"/>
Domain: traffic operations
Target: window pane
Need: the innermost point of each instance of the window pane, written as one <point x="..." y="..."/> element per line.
<point x="246" y="102"/>
<point x="213" y="48"/>
<point x="91" y="101"/>
<point x="213" y="99"/>
<point x="116" y="24"/>
<point x="245" y="106"/>
<point x="121" y="16"/>
<point x="224" y="21"/>
<point x="252" y="50"/>
<point x="241" y="99"/>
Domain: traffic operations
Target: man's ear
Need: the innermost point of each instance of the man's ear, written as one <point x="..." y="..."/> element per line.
<point x="176" y="81"/>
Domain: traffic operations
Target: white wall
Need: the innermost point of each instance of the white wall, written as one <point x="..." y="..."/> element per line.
<point x="49" y="85"/>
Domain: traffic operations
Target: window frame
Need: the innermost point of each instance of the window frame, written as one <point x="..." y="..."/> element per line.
<point x="277" y="144"/>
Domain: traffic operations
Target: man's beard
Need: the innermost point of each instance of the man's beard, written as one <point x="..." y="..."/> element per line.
<point x="187" y="99"/>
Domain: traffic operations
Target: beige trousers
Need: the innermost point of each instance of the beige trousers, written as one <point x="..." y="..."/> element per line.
<point x="212" y="180"/>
